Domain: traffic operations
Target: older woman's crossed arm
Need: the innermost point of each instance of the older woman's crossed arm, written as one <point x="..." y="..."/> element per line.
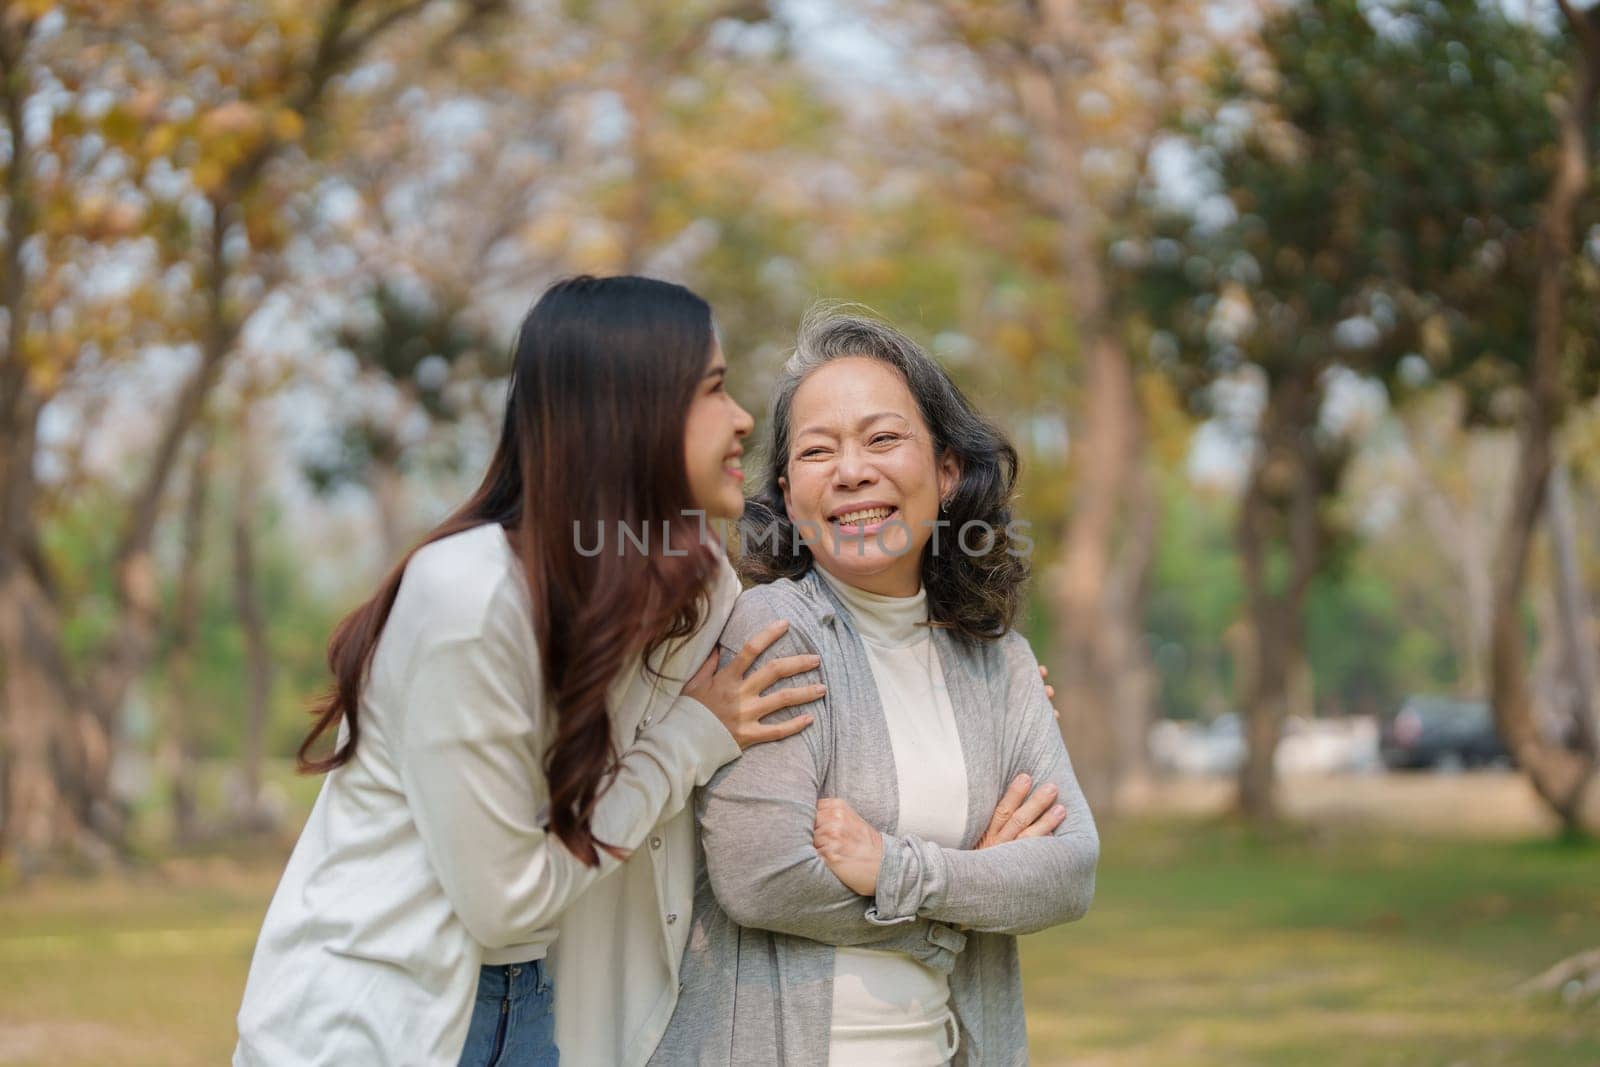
<point x="756" y="824"/>
<point x="1027" y="883"/>
<point x="759" y="828"/>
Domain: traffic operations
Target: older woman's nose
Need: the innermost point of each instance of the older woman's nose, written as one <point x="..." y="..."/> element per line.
<point x="853" y="467"/>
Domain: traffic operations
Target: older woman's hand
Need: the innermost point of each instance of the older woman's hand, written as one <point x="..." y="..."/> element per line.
<point x="1022" y="814"/>
<point x="852" y="850"/>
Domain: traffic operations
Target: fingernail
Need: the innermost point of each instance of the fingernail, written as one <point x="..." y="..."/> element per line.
<point x="1024" y="779"/>
<point x="1051" y="789"/>
<point x="816" y="660"/>
<point x="1058" y="810"/>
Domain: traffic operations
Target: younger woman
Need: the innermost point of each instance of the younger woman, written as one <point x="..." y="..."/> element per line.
<point x="511" y="712"/>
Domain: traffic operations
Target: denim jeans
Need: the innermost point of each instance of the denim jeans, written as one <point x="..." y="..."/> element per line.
<point x="513" y="1018"/>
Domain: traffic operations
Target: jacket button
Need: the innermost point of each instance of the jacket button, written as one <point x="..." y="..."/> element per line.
<point x="655" y="842"/>
<point x="672" y="917"/>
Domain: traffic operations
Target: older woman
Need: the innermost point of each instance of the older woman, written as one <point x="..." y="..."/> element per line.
<point x="847" y="908"/>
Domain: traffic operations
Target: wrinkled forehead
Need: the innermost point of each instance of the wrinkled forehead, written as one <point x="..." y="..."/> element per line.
<point x="849" y="393"/>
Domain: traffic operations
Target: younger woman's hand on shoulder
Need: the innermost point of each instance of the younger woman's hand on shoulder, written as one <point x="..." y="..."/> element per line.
<point x="739" y="699"/>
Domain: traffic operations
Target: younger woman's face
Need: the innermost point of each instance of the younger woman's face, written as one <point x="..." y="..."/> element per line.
<point x="711" y="444"/>
<point x="863" y="484"/>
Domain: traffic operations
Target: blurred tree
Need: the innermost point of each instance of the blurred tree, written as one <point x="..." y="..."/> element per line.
<point x="261" y="168"/>
<point x="1068" y="99"/>
<point x="187" y="121"/>
<point x="410" y="350"/>
<point x="651" y="51"/>
<point x="1382" y="173"/>
<point x="177" y="748"/>
<point x="597" y="137"/>
<point x="705" y="158"/>
<point x="1565" y="359"/>
<point x="251" y="815"/>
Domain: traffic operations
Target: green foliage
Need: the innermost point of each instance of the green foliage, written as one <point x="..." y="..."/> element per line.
<point x="1366" y="655"/>
<point x="79" y="543"/>
<point x="298" y="624"/>
<point x="1387" y="185"/>
<point x="1195" y="598"/>
<point x="1368" y="644"/>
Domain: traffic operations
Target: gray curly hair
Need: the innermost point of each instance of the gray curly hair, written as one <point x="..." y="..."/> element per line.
<point x="976" y="594"/>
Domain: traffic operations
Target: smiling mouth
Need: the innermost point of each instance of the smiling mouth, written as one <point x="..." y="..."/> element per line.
<point x="863" y="518"/>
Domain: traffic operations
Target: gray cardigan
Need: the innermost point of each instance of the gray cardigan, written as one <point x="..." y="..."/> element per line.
<point x="758" y="970"/>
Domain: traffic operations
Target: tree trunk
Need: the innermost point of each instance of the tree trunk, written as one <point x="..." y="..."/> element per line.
<point x="1565" y="780"/>
<point x="40" y="713"/>
<point x="40" y="813"/>
<point x="1265" y="687"/>
<point x="253" y="815"/>
<point x="1093" y="637"/>
<point x="178" y="744"/>
<point x="1137" y="683"/>
<point x="39" y="819"/>
<point x="1550" y="691"/>
<point x="1280" y="540"/>
<point x="1572" y="600"/>
<point x="1092" y="630"/>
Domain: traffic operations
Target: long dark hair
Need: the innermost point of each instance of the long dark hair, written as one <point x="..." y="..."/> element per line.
<point x="604" y="372"/>
<point x="975" y="595"/>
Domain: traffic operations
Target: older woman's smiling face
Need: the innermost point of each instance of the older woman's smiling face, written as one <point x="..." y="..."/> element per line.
<point x="863" y="484"/>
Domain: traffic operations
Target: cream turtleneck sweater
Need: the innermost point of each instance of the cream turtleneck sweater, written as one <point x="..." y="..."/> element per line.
<point x="888" y="1007"/>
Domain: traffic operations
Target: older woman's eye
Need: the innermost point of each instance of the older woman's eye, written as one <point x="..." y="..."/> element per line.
<point x="813" y="453"/>
<point x="879" y="439"/>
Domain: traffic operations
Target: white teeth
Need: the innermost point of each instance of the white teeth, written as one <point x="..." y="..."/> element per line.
<point x="851" y="518"/>
<point x="734" y="464"/>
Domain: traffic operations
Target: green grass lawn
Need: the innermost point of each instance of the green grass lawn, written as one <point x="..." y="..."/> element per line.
<point x="1205" y="946"/>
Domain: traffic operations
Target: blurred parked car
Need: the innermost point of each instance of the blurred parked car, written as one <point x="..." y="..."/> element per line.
<point x="1199" y="749"/>
<point x="1430" y="732"/>
<point x="1348" y="744"/>
<point x="1344" y="745"/>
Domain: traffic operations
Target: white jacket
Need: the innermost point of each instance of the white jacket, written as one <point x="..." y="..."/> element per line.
<point x="426" y="855"/>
